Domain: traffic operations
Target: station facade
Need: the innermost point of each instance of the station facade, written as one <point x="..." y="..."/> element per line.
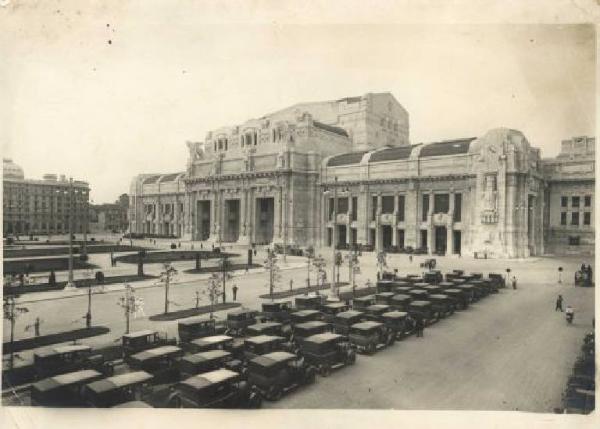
<point x="345" y="172"/>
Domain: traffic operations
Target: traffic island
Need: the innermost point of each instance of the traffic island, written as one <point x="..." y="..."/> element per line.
<point x="232" y="267"/>
<point x="300" y="291"/>
<point x="47" y="340"/>
<point x="58" y="251"/>
<point x="162" y="256"/>
<point x="191" y="312"/>
<point x="82" y="283"/>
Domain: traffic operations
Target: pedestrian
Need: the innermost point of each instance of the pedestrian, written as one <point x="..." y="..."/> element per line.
<point x="378" y="276"/>
<point x="254" y="252"/>
<point x="234" y="289"/>
<point x="179" y="245"/>
<point x="410" y="258"/>
<point x="514" y="282"/>
<point x="291" y="284"/>
<point x="559" y="302"/>
<point x="36" y="326"/>
<point x="589" y="271"/>
<point x="419" y="326"/>
<point x="52" y="278"/>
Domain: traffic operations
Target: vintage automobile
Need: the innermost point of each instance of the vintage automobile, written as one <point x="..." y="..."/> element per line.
<point x="483" y="287"/>
<point x="458" y="281"/>
<point x="309" y="302"/>
<point x="333" y="309"/>
<point x="385" y="285"/>
<point x="302" y="316"/>
<point x="344" y="320"/>
<point x="421" y="285"/>
<point x="239" y="320"/>
<point x="578" y="400"/>
<point x="370" y="336"/>
<point x="442" y="304"/>
<point x="275" y="373"/>
<point x="418" y="294"/>
<point x="445" y="285"/>
<point x="327" y="351"/>
<point x="494" y="284"/>
<point x="134" y="404"/>
<point x="359" y="304"/>
<point x="196" y="328"/>
<point x="414" y="278"/>
<point x="428" y="263"/>
<point x="422" y="310"/>
<point x="401" y="301"/>
<point x="433" y="277"/>
<point x="214" y="342"/>
<point x="64" y="390"/>
<point x="61" y="359"/>
<point x="265" y="328"/>
<point x="399" y="322"/>
<point x="470" y="290"/>
<point x="278" y="311"/>
<point x="374" y="312"/>
<point x="460" y="298"/>
<point x="207" y="361"/>
<point x="476" y="276"/>
<point x="432" y="289"/>
<point x="263" y="344"/>
<point x="135" y="342"/>
<point x="388" y="275"/>
<point x="384" y="298"/>
<point x="403" y="289"/>
<point x="221" y="388"/>
<point x="118" y="389"/>
<point x="161" y="362"/>
<point x="306" y="329"/>
<point x="498" y="280"/>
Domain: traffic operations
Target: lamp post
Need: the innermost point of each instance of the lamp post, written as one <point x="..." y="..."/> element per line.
<point x="560" y="269"/>
<point x="86" y="210"/>
<point x="70" y="284"/>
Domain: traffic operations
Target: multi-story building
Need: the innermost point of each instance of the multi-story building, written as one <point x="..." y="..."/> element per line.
<point x="108" y="218"/>
<point x="42" y="206"/>
<point x="344" y="172"/>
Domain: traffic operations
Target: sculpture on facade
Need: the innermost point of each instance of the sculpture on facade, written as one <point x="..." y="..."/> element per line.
<point x="490" y="193"/>
<point x="196" y="150"/>
<point x="281" y="160"/>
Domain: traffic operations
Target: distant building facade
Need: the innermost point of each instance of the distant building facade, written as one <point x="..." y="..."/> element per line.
<point x="274" y="179"/>
<point x="108" y="218"/>
<point x="41" y="207"/>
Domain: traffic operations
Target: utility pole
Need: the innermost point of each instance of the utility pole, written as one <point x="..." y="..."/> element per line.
<point x="86" y="210"/>
<point x="70" y="284"/>
<point x="333" y="283"/>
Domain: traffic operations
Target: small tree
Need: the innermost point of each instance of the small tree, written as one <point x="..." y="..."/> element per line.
<point x="310" y="254"/>
<point x="166" y="276"/>
<point x="225" y="268"/>
<point x="130" y="304"/>
<point x="353" y="269"/>
<point x="320" y="265"/>
<point x="338" y="263"/>
<point x="272" y="268"/>
<point x="11" y="312"/>
<point x="212" y="291"/>
<point x="381" y="261"/>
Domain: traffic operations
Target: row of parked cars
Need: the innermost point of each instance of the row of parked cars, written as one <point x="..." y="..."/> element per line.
<point x="579" y="396"/>
<point x="253" y="355"/>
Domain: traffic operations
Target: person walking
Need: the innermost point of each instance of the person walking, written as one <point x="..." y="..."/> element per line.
<point x="234" y="289"/>
<point x="419" y="326"/>
<point x="559" y="302"/>
<point x="514" y="282"/>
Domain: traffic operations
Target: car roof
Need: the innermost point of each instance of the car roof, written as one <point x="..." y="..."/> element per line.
<point x="385" y="294"/>
<point x="311" y="324"/>
<point x="365" y="298"/>
<point x="401" y="297"/>
<point x="452" y="291"/>
<point x="66" y="379"/>
<point x="205" y="356"/>
<point x="338" y="304"/>
<point x="157" y="351"/>
<point x="395" y="314"/>
<point x="263" y="325"/>
<point x="139" y="333"/>
<point x="211" y="339"/>
<point x="118" y="381"/>
<point x="376" y="307"/>
<point x="261" y="339"/>
<point x="62" y="349"/>
<point x="349" y="314"/>
<point x="366" y="325"/>
<point x="420" y="303"/>
<point x="133" y="404"/>
<point x="273" y="358"/>
<point x="438" y="295"/>
<point x="306" y="312"/>
<point x="206" y="379"/>
<point x="323" y="338"/>
<point x="195" y="320"/>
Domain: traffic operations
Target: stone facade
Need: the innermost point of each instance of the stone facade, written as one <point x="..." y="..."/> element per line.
<point x="344" y="172"/>
<point x="41" y="207"/>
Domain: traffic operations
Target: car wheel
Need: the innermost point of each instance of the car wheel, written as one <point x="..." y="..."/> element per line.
<point x="324" y="370"/>
<point x="255" y="400"/>
<point x="309" y="376"/>
<point x="174" y="402"/>
<point x="274" y="393"/>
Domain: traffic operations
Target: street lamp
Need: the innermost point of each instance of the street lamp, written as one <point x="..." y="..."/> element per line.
<point x="560" y="269"/>
<point x="70" y="283"/>
<point x="333" y="283"/>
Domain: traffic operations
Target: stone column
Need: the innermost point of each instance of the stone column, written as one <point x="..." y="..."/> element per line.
<point x="349" y="221"/>
<point x="450" y="226"/>
<point x="395" y="222"/>
<point x="378" y="235"/>
<point x="277" y="216"/>
<point x="411" y="217"/>
<point x="430" y="228"/>
<point x="362" y="215"/>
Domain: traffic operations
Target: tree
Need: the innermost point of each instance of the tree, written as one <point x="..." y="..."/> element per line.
<point x="166" y="276"/>
<point x="272" y="267"/>
<point x="131" y="305"/>
<point x="353" y="269"/>
<point x="212" y="291"/>
<point x="141" y="255"/>
<point x="320" y="265"/>
<point x="381" y="261"/>
<point x="224" y="268"/>
<point x="11" y="312"/>
<point x="310" y="254"/>
<point x="338" y="262"/>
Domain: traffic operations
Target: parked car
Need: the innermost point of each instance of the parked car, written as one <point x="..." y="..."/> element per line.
<point x="305" y="316"/>
<point x="422" y="310"/>
<point x="363" y="302"/>
<point x="460" y="297"/>
<point x="431" y="289"/>
<point x="370" y="336"/>
<point x="239" y="320"/>
<point x="309" y="302"/>
<point x="497" y="280"/>
<point x="118" y="389"/>
<point x="418" y="294"/>
<point x="400" y="302"/>
<point x="276" y="311"/>
<point x="161" y="362"/>
<point x="470" y="290"/>
<point x="221" y="388"/>
<point x="442" y="305"/>
<point x="138" y="341"/>
<point x="344" y="320"/>
<point x="445" y="285"/>
<point x="374" y="312"/>
<point x="482" y="287"/>
<point x="214" y="342"/>
<point x="263" y="344"/>
<point x="62" y="359"/>
<point x="327" y="351"/>
<point x="196" y="328"/>
<point x="385" y="285"/>
<point x="64" y="390"/>
<point x="275" y="373"/>
<point x="306" y="329"/>
<point x="384" y="298"/>
<point x="265" y="328"/>
<point x="199" y="363"/>
<point x="403" y="290"/>
<point x="433" y="276"/>
<point x="330" y="311"/>
<point x="399" y="322"/>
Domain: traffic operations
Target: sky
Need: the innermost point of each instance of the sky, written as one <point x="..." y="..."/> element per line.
<point x="103" y="94"/>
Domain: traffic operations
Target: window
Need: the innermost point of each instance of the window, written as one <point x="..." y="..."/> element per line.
<point x="563" y="218"/>
<point x="587" y="201"/>
<point x="401" y="208"/>
<point x="575" y="201"/>
<point x="342" y="205"/>
<point x="587" y="218"/>
<point x="374" y="208"/>
<point x="354" y="208"/>
<point x="564" y="201"/>
<point x="387" y="204"/>
<point x="575" y="218"/>
<point x="457" y="207"/>
<point x="425" y="206"/>
<point x="573" y="240"/>
<point x="330" y="208"/>
<point x="441" y="203"/>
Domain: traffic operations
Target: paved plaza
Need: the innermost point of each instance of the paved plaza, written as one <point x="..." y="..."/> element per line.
<point x="510" y="351"/>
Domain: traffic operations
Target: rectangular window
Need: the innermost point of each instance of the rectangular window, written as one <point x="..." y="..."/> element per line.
<point x="575" y="218"/>
<point x="342" y="206"/>
<point x="563" y="218"/>
<point x="457" y="207"/>
<point x="587" y="218"/>
<point x="387" y="204"/>
<point x="573" y="241"/>
<point x="330" y="208"/>
<point x="374" y="208"/>
<point x="574" y="201"/>
<point x="425" y="207"/>
<point x="401" y="208"/>
<point x="587" y="201"/>
<point x="354" y="209"/>
<point x="564" y="201"/>
<point x="441" y="203"/>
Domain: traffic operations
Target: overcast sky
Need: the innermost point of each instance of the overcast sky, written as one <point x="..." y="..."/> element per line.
<point x="105" y="96"/>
